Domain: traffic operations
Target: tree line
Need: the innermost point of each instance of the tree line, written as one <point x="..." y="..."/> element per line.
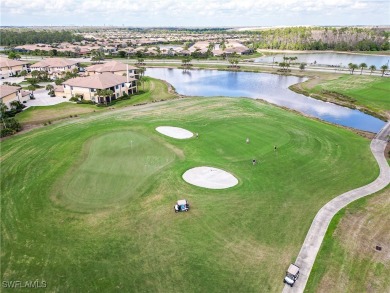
<point x="316" y="38"/>
<point x="16" y="38"/>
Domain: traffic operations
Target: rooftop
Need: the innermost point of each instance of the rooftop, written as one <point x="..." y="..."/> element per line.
<point x="5" y="62"/>
<point x="55" y="62"/>
<point x="6" y="90"/>
<point x="98" y="81"/>
<point x="110" y="66"/>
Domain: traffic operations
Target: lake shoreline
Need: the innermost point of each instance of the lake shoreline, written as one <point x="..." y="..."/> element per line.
<point x="295" y="87"/>
<point x="315" y="110"/>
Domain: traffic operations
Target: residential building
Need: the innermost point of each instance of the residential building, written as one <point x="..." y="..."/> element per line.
<point x="9" y="67"/>
<point x="88" y="86"/>
<point x="55" y="66"/>
<point x="115" y="67"/>
<point x="10" y="93"/>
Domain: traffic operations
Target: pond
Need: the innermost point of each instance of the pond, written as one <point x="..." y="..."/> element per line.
<point x="332" y="59"/>
<point x="269" y="87"/>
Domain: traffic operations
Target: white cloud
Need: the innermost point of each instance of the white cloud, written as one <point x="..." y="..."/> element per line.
<point x="192" y="11"/>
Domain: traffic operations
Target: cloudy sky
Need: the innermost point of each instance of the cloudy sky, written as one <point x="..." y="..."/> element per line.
<point x="195" y="12"/>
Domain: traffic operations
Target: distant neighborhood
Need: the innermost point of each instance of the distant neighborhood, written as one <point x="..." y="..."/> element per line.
<point x="139" y="48"/>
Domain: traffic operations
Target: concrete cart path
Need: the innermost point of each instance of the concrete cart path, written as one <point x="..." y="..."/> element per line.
<point x="315" y="236"/>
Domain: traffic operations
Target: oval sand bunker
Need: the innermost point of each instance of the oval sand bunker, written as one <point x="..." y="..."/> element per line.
<point x="210" y="177"/>
<point x="175" y="132"/>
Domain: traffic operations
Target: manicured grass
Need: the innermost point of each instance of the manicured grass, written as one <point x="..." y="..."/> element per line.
<point x="369" y="93"/>
<point x="123" y="158"/>
<point x="67" y="219"/>
<point x="43" y="114"/>
<point x="348" y="261"/>
<point x="150" y="91"/>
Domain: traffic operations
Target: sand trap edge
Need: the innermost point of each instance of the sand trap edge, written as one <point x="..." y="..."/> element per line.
<point x="175" y="132"/>
<point x="209" y="177"/>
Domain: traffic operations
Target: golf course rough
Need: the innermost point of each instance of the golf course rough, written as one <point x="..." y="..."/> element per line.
<point x="175" y="132"/>
<point x="209" y="177"/>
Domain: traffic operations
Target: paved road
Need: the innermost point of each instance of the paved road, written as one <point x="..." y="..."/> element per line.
<point x="315" y="236"/>
<point x="162" y="62"/>
<point x="293" y="68"/>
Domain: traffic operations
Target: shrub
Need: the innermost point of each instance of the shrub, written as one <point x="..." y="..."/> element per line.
<point x="87" y="102"/>
<point x="6" y="132"/>
<point x="10" y="126"/>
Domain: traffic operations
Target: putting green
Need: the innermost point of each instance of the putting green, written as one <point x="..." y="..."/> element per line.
<point x="112" y="167"/>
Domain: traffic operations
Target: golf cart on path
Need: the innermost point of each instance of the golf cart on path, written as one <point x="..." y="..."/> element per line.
<point x="292" y="275"/>
<point x="182" y="206"/>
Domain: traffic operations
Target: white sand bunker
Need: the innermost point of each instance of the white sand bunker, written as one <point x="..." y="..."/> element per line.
<point x="210" y="177"/>
<point x="175" y="132"/>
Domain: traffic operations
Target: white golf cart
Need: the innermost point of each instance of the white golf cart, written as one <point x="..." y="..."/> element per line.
<point x="182" y="206"/>
<point x="292" y="275"/>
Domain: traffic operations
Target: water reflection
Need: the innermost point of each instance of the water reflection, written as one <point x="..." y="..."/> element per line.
<point x="333" y="59"/>
<point x="270" y="87"/>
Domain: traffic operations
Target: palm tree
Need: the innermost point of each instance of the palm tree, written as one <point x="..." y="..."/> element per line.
<point x="141" y="72"/>
<point x="140" y="61"/>
<point x="31" y="88"/>
<point x="109" y="93"/>
<point x="99" y="93"/>
<point x="372" y="68"/>
<point x="384" y="68"/>
<point x="352" y="67"/>
<point x="50" y="88"/>
<point x="362" y="65"/>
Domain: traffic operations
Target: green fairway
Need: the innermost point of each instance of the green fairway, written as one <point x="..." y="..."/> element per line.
<point x="373" y="92"/>
<point x="368" y="93"/>
<point x="88" y="211"/>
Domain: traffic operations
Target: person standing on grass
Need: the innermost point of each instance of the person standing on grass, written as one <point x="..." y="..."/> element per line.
<point x="274" y="148"/>
<point x="247" y="140"/>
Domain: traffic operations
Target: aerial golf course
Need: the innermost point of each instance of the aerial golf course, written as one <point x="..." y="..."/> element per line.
<point x="87" y="204"/>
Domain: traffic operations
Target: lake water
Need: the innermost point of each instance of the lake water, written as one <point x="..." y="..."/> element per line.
<point x="335" y="59"/>
<point x="270" y="87"/>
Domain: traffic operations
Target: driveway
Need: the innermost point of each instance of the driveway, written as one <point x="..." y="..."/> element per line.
<point x="42" y="98"/>
<point x="315" y="236"/>
<point x="12" y="80"/>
